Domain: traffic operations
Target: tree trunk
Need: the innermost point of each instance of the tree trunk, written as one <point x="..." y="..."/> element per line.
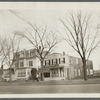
<point x="42" y="73"/>
<point x="84" y="70"/>
<point x="10" y="74"/>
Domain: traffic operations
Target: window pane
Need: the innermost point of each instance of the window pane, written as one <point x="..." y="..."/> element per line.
<point x="21" y="64"/>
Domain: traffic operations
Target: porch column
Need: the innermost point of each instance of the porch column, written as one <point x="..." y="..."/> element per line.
<point x="64" y="72"/>
<point x="25" y="63"/>
<point x="26" y="74"/>
<point x="50" y="74"/>
<point x="59" y="72"/>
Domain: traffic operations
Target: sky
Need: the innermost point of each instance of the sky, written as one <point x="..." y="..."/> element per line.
<point x="43" y="13"/>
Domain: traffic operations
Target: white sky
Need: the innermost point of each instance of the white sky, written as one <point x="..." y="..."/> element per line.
<point x="44" y="14"/>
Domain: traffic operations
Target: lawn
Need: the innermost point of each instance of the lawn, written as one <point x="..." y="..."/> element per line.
<point x="53" y="82"/>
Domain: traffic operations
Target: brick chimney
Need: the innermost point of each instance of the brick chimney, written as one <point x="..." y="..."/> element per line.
<point x="63" y="53"/>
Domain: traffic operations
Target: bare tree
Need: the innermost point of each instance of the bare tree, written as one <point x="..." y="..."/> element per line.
<point x="9" y="50"/>
<point x="2" y="56"/>
<point x="43" y="41"/>
<point x="80" y="35"/>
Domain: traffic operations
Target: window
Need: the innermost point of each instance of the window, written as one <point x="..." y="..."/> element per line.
<point x="21" y="73"/>
<point x="47" y="74"/>
<point x="87" y="71"/>
<point x="27" y="53"/>
<point x="45" y="62"/>
<point x="22" y="54"/>
<point x="30" y="63"/>
<point x="63" y="60"/>
<point x="91" y="72"/>
<point x="75" y="72"/>
<point x="59" y="60"/>
<point x="56" y="61"/>
<point x="55" y="73"/>
<point x="79" y="73"/>
<point x="49" y="62"/>
<point x="52" y="61"/>
<point x="21" y="64"/>
<point x="16" y="65"/>
<point x="31" y="53"/>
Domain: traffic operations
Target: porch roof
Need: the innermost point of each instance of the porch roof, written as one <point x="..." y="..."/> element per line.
<point x="47" y="69"/>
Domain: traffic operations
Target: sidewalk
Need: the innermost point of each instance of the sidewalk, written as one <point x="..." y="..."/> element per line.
<point x="53" y="82"/>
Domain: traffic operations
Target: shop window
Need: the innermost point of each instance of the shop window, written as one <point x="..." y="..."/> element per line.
<point x="55" y="73"/>
<point x="46" y="74"/>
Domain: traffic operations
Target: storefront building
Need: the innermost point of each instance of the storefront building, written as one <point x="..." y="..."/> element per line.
<point x="59" y="66"/>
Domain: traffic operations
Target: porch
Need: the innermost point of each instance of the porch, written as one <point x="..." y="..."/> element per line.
<point x="55" y="73"/>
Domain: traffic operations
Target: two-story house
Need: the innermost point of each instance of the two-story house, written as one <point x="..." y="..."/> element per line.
<point x="59" y="66"/>
<point x="55" y="66"/>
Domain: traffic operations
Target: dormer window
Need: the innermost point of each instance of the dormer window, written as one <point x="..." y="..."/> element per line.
<point x="27" y="53"/>
<point x="31" y="53"/>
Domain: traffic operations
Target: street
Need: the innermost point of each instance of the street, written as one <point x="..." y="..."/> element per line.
<point x="31" y="89"/>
